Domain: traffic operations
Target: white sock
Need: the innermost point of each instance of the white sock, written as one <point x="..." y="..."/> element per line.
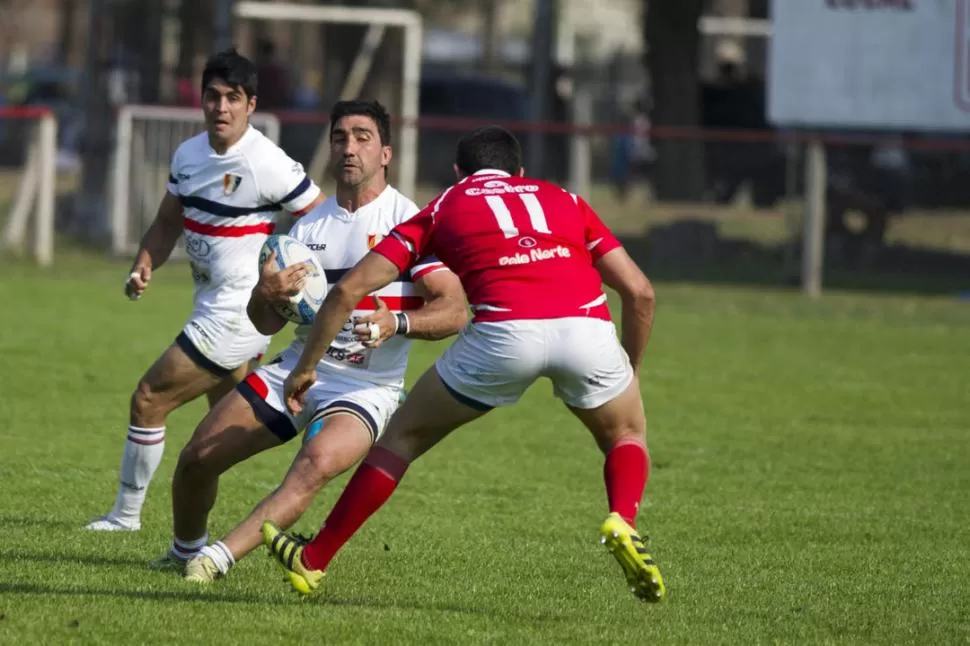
<point x="220" y="555"/>
<point x="188" y="549"/>
<point x="143" y="453"/>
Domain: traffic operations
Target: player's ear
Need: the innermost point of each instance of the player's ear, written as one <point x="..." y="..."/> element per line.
<point x="521" y="172"/>
<point x="252" y="105"/>
<point x="457" y="172"/>
<point x="386" y="155"/>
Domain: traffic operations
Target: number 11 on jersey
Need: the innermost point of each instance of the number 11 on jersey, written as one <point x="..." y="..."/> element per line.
<point x="503" y="215"/>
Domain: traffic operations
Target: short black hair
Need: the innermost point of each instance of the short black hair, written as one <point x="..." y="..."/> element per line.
<point x="361" y="107"/>
<point x="489" y="147"/>
<point x="233" y="68"/>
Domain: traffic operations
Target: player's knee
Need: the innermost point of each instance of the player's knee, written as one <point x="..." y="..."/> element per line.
<point x="196" y="459"/>
<point x="315" y="467"/>
<point x="632" y="432"/>
<point x="626" y="424"/>
<point x="146" y="406"/>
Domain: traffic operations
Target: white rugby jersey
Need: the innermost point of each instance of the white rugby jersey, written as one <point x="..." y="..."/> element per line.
<point x="340" y="240"/>
<point x="230" y="203"/>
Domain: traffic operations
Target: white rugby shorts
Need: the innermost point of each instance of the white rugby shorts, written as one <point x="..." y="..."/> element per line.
<point x="333" y="393"/>
<point x="492" y="364"/>
<point x="221" y="342"/>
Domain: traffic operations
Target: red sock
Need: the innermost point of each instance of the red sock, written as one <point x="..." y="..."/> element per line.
<point x="625" y="472"/>
<point x="369" y="488"/>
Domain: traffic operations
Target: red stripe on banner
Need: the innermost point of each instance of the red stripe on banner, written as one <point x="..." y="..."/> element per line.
<point x="395" y="303"/>
<point x="227" y="231"/>
<point x="24" y="112"/>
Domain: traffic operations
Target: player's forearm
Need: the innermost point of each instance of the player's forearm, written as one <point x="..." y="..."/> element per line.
<point x="263" y="316"/>
<point x="158" y="242"/>
<point x="437" y="319"/>
<point x="637" y="320"/>
<point x="333" y="313"/>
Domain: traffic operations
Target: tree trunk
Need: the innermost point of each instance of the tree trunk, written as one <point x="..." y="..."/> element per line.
<point x="150" y="59"/>
<point x="65" y="30"/>
<point x="89" y="220"/>
<point x="138" y="37"/>
<point x="491" y="36"/>
<point x="673" y="43"/>
<point x="184" y="68"/>
<point x="340" y="46"/>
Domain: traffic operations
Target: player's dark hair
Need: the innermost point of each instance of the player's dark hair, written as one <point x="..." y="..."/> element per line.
<point x="489" y="147"/>
<point x="233" y="68"/>
<point x="360" y="107"/>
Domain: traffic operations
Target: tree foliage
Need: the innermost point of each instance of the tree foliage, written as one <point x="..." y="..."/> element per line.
<point x="672" y="58"/>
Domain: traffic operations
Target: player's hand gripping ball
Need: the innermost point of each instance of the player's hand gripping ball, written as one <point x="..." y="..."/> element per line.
<point x="302" y="307"/>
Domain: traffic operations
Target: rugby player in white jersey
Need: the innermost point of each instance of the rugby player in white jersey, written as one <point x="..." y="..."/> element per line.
<point x="360" y="381"/>
<point x="226" y="187"/>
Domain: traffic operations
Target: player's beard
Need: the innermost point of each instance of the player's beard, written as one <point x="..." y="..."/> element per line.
<point x="352" y="176"/>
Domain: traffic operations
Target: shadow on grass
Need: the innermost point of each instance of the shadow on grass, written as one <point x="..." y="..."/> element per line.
<point x="25" y="521"/>
<point x="72" y="559"/>
<point x="209" y="596"/>
<point x="152" y="595"/>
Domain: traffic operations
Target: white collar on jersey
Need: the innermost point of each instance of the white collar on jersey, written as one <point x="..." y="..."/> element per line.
<point x="249" y="131"/>
<point x="375" y="203"/>
<point x="491" y="171"/>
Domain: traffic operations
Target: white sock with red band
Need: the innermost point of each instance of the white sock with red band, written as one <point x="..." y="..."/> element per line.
<point x="142" y="455"/>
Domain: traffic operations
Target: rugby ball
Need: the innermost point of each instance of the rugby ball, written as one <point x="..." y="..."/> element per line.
<point x="290" y="251"/>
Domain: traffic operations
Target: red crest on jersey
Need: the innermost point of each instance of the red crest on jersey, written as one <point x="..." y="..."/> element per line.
<point x="230" y="182"/>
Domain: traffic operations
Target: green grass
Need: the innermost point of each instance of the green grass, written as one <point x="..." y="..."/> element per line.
<point x="809" y="485"/>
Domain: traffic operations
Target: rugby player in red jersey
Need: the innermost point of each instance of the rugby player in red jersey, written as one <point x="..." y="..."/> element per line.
<point x="532" y="258"/>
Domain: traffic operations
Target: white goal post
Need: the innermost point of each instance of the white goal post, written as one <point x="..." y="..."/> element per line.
<point x="36" y="187"/>
<point x="378" y="18"/>
<point x="145" y="140"/>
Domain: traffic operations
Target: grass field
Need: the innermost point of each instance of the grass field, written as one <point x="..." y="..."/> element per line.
<point x="810" y="485"/>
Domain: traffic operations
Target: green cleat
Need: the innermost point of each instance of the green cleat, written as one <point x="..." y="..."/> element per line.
<point x="288" y="551"/>
<point x="626" y="546"/>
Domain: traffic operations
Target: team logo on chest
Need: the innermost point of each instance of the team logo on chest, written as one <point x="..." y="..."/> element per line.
<point x="230" y="182"/>
<point x="373" y="239"/>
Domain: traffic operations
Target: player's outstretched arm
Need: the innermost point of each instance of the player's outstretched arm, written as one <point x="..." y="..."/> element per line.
<point x="619" y="272"/>
<point x="159" y="241"/>
<point x="156" y="245"/>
